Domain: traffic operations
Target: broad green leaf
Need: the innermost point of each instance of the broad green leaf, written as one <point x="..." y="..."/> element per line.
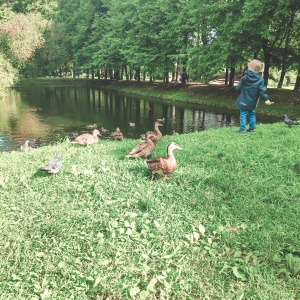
<point x="151" y="285"/>
<point x="156" y="223"/>
<point x="277" y="258"/>
<point x="143" y="295"/>
<point x="237" y="254"/>
<point x="244" y="226"/>
<point x="196" y="235"/>
<point x="237" y="274"/>
<point x="201" y="229"/>
<point x="129" y="231"/>
<point x="134" y="291"/>
<point x="97" y="281"/>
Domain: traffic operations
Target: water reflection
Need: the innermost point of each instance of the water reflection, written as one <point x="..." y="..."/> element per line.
<point x="52" y="113"/>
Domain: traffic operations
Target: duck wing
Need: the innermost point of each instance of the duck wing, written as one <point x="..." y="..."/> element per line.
<point x="142" y="149"/>
<point x="161" y="165"/>
<point x="155" y="164"/>
<point x="85" y="139"/>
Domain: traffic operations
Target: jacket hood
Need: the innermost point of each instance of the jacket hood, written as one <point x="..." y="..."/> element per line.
<point x="252" y="76"/>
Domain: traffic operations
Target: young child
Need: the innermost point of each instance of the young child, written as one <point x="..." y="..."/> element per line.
<point x="250" y="87"/>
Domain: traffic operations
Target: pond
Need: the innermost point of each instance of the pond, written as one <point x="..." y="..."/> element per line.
<point x="50" y="114"/>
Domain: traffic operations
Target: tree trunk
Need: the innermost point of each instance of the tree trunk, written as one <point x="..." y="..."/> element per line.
<point x="183" y="76"/>
<point x="117" y="75"/>
<point x="286" y="51"/>
<point x="282" y="75"/>
<point x="126" y="72"/>
<point x="297" y="84"/>
<point x="98" y="74"/>
<point x="151" y="76"/>
<point x="93" y="74"/>
<point x="177" y="72"/>
<point x="226" y="77"/>
<point x="138" y="74"/>
<point x="87" y="73"/>
<point x="267" y="55"/>
<point x="166" y="77"/>
<point x="231" y="77"/>
<point x="111" y="75"/>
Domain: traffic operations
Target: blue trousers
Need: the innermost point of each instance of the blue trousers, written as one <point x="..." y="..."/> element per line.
<point x="247" y="114"/>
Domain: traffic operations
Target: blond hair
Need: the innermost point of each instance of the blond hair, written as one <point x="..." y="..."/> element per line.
<point x="254" y="65"/>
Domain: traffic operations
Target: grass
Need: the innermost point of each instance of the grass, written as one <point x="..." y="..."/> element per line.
<point x="225" y="226"/>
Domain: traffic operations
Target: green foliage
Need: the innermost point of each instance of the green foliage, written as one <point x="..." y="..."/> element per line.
<point x="226" y="223"/>
<point x="158" y="37"/>
<point x="20" y="35"/>
<point x="7" y="74"/>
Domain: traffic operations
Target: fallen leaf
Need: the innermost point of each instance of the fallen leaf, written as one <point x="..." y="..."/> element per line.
<point x="233" y="228"/>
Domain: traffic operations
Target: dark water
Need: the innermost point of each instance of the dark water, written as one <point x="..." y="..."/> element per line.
<point x="52" y="113"/>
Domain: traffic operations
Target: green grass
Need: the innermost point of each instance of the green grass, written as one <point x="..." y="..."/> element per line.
<point x="99" y="230"/>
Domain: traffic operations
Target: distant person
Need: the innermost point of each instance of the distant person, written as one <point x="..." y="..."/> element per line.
<point x="250" y="88"/>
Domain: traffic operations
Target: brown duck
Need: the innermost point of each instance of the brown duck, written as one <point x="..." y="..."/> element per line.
<point x="92" y="126"/>
<point x="157" y="135"/>
<point x="117" y="135"/>
<point x="143" y="149"/>
<point x="163" y="165"/>
<point x="87" y="138"/>
<point x="103" y="130"/>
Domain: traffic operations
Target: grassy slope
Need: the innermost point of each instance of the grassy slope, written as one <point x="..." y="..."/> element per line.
<point x="99" y="230"/>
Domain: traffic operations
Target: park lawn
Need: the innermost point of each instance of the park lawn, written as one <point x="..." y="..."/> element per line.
<point x="225" y="226"/>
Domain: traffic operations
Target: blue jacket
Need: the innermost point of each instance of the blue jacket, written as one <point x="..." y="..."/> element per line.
<point x="250" y="87"/>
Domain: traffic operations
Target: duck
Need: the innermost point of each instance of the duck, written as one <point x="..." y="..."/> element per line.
<point x="117" y="135"/>
<point x="87" y="138"/>
<point x="103" y="130"/>
<point x="131" y="124"/>
<point x="163" y="165"/>
<point x="157" y="135"/>
<point x="25" y="146"/>
<point x="161" y="120"/>
<point x="92" y="126"/>
<point x="54" y="165"/>
<point x="143" y="149"/>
